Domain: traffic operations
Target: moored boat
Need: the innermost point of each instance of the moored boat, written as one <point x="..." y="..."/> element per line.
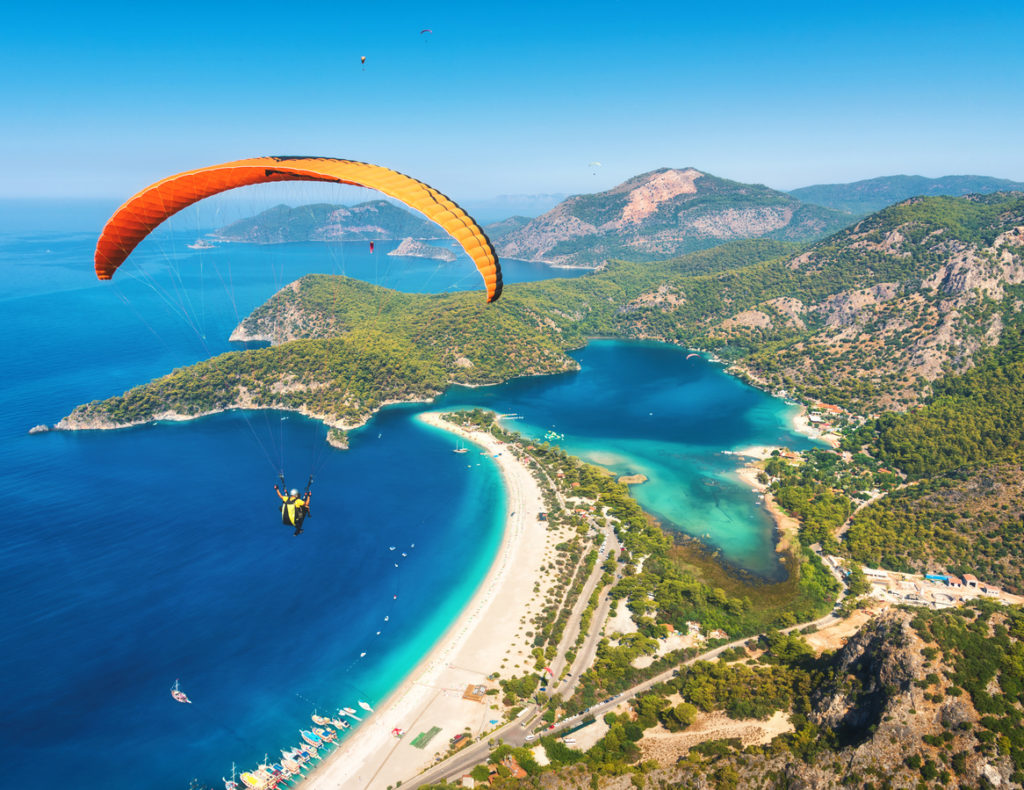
<point x="310" y="738"/>
<point x="325" y="735"/>
<point x="249" y="779"/>
<point x="365" y="706"/>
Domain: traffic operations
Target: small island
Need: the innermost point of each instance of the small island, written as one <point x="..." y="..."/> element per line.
<point x="410" y="248"/>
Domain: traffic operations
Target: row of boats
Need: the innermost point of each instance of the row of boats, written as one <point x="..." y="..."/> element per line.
<point x="294" y="761"/>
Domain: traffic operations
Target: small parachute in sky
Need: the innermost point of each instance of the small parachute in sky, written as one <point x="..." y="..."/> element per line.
<point x="593" y="166"/>
<point x="426" y="30"/>
<point x="371" y="246"/>
<point x="362" y="60"/>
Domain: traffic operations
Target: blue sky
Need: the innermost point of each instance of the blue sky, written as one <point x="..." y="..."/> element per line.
<point x="98" y="100"/>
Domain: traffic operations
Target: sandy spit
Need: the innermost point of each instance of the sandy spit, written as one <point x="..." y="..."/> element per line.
<point x="486" y="632"/>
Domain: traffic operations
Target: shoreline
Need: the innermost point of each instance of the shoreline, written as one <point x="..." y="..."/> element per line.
<point x="96" y="424"/>
<point x="786" y="527"/>
<point x="474" y="646"/>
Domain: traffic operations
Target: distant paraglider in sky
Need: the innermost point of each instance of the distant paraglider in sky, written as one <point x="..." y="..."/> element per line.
<point x="134" y="220"/>
<point x="593" y="166"/>
<point x="426" y="30"/>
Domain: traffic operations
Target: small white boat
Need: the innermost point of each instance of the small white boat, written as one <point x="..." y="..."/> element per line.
<point x="178" y="694"/>
<point x="365" y="706"/>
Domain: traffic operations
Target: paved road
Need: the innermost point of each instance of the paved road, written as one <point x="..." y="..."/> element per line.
<point x="588" y="648"/>
<point x="515" y="733"/>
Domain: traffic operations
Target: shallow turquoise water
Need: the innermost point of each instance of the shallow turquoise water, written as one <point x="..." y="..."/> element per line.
<point x="646" y="408"/>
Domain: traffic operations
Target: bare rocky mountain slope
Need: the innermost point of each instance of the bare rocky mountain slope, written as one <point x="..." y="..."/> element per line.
<point x="663" y="213"/>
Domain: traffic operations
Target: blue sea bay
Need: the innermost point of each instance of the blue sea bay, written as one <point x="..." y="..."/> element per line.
<point x="135" y="557"/>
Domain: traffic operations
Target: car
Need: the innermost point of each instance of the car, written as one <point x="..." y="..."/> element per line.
<point x="530" y="737"/>
<point x="551" y="726"/>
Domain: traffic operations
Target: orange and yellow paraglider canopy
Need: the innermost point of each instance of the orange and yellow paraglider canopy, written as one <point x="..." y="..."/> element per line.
<point x="133" y="221"/>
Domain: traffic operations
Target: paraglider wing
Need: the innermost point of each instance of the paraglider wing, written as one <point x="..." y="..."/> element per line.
<point x="362" y="59"/>
<point x="371" y="246"/>
<point x="426" y="30"/>
<point x="133" y="221"/>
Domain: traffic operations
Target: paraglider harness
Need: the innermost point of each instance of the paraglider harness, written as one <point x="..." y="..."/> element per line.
<point x="299" y="507"/>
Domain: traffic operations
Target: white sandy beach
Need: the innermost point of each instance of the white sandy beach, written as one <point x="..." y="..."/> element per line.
<point x="489" y="636"/>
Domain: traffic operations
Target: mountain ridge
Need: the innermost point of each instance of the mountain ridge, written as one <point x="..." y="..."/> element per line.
<point x="873" y="194"/>
<point x="374" y="220"/>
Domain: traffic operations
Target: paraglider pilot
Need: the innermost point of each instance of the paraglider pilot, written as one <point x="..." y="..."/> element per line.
<point x="295" y="508"/>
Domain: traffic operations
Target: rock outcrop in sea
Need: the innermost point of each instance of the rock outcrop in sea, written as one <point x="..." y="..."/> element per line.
<point x="410" y="248"/>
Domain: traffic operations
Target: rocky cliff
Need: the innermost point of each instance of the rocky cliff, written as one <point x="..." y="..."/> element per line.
<point x="886" y="711"/>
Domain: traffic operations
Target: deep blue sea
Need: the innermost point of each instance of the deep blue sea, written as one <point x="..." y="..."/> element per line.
<point x="132" y="558"/>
